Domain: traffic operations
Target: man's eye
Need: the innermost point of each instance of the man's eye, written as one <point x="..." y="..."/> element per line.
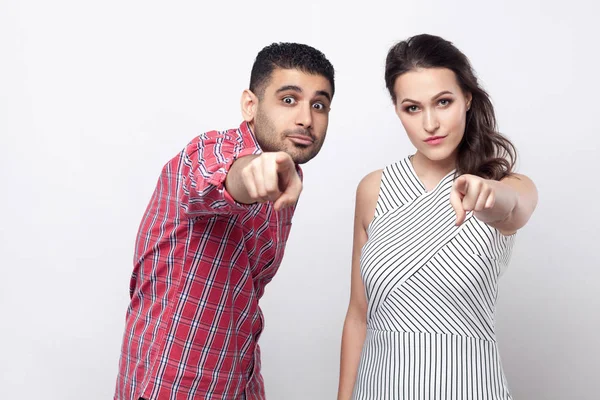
<point x="289" y="100"/>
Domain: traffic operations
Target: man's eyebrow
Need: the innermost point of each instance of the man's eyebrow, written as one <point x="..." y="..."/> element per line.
<point x="298" y="89"/>
<point x="289" y="87"/>
<point x="324" y="93"/>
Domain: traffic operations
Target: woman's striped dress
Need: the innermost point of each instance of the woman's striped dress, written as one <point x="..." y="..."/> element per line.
<point x="431" y="289"/>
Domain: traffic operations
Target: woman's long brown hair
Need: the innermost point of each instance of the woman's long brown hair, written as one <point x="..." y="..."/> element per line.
<point x="483" y="151"/>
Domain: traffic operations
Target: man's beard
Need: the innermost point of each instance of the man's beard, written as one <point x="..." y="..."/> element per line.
<point x="271" y="141"/>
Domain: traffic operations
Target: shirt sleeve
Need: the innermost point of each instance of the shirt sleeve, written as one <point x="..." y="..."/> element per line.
<point x="204" y="166"/>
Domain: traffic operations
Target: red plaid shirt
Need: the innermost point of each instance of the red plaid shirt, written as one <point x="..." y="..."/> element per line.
<point x="201" y="264"/>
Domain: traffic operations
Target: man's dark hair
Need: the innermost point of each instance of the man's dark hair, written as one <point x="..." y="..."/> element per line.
<point x="288" y="56"/>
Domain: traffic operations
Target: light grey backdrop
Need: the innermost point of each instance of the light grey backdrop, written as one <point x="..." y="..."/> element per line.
<point x="96" y="96"/>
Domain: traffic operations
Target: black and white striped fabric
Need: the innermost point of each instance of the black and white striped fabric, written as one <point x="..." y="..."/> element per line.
<point x="431" y="290"/>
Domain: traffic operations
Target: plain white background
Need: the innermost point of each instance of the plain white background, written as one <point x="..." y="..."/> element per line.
<point x="96" y="96"/>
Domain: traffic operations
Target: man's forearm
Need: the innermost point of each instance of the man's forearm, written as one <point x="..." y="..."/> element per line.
<point x="234" y="184"/>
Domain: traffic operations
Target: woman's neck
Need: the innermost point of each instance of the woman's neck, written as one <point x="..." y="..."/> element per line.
<point x="431" y="172"/>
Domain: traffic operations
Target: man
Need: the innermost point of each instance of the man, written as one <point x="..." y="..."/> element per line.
<point x="214" y="234"/>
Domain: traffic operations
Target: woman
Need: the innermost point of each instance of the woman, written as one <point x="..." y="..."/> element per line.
<point x="433" y="233"/>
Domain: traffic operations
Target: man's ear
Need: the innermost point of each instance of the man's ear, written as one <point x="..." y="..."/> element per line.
<point x="249" y="104"/>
